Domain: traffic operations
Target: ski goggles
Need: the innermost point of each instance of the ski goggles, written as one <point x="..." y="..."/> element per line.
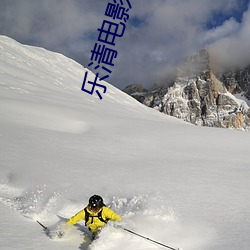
<point x="94" y="208"/>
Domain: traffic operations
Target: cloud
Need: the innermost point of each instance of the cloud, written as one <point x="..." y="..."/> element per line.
<point x="158" y="35"/>
<point x="233" y="49"/>
<point x="171" y="31"/>
<point x="228" y="28"/>
<point x="63" y="25"/>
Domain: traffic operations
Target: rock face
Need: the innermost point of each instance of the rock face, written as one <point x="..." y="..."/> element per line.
<point x="136" y="90"/>
<point x="237" y="81"/>
<point x="201" y="97"/>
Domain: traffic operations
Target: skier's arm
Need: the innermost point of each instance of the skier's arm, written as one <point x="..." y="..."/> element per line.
<point x="77" y="217"/>
<point x="110" y="214"/>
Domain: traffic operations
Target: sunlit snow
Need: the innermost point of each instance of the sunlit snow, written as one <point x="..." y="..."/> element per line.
<point x="179" y="184"/>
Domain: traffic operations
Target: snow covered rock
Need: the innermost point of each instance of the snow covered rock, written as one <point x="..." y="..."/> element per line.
<point x="136" y="90"/>
<point x="237" y="81"/>
<point x="199" y="97"/>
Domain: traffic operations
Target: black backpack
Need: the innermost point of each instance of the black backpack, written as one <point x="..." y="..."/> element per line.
<point x="88" y="216"/>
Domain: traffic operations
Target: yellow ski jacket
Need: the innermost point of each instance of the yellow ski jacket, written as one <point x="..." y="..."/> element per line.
<point x="94" y="223"/>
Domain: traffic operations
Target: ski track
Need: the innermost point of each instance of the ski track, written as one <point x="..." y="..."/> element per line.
<point x="145" y="214"/>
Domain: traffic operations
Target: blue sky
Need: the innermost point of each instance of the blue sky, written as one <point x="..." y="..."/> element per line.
<point x="158" y="35"/>
<point x="218" y="17"/>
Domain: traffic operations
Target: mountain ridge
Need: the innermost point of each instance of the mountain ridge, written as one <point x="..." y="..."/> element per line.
<point x="200" y="95"/>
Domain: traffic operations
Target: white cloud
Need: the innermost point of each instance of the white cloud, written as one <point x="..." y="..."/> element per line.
<point x="228" y="28"/>
<point x="233" y="50"/>
<point x="170" y="31"/>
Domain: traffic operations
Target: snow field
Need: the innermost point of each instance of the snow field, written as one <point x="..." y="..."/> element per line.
<point x="146" y="215"/>
<point x="181" y="185"/>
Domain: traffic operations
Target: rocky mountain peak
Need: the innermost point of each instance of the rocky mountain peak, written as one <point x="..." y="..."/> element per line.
<point x="196" y="64"/>
<point x="202" y="97"/>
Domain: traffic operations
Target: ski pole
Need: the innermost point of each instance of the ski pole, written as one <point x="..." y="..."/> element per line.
<point x="146" y="238"/>
<point x="45" y="228"/>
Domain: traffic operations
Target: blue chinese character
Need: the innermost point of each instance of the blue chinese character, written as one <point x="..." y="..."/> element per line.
<point x="116" y="11"/>
<point x="107" y="34"/>
<point x="108" y="30"/>
<point x="94" y="85"/>
<point x="129" y="5"/>
<point x="103" y="55"/>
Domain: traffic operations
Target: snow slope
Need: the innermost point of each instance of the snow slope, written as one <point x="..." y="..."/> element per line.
<point x="176" y="183"/>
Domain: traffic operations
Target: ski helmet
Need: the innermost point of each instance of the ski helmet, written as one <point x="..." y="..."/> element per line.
<point x="95" y="202"/>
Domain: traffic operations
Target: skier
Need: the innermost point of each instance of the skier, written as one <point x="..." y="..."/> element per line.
<point x="95" y="214"/>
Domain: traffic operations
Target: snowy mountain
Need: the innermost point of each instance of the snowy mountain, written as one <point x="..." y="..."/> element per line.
<point x="201" y="96"/>
<point x="237" y="81"/>
<point x="182" y="185"/>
